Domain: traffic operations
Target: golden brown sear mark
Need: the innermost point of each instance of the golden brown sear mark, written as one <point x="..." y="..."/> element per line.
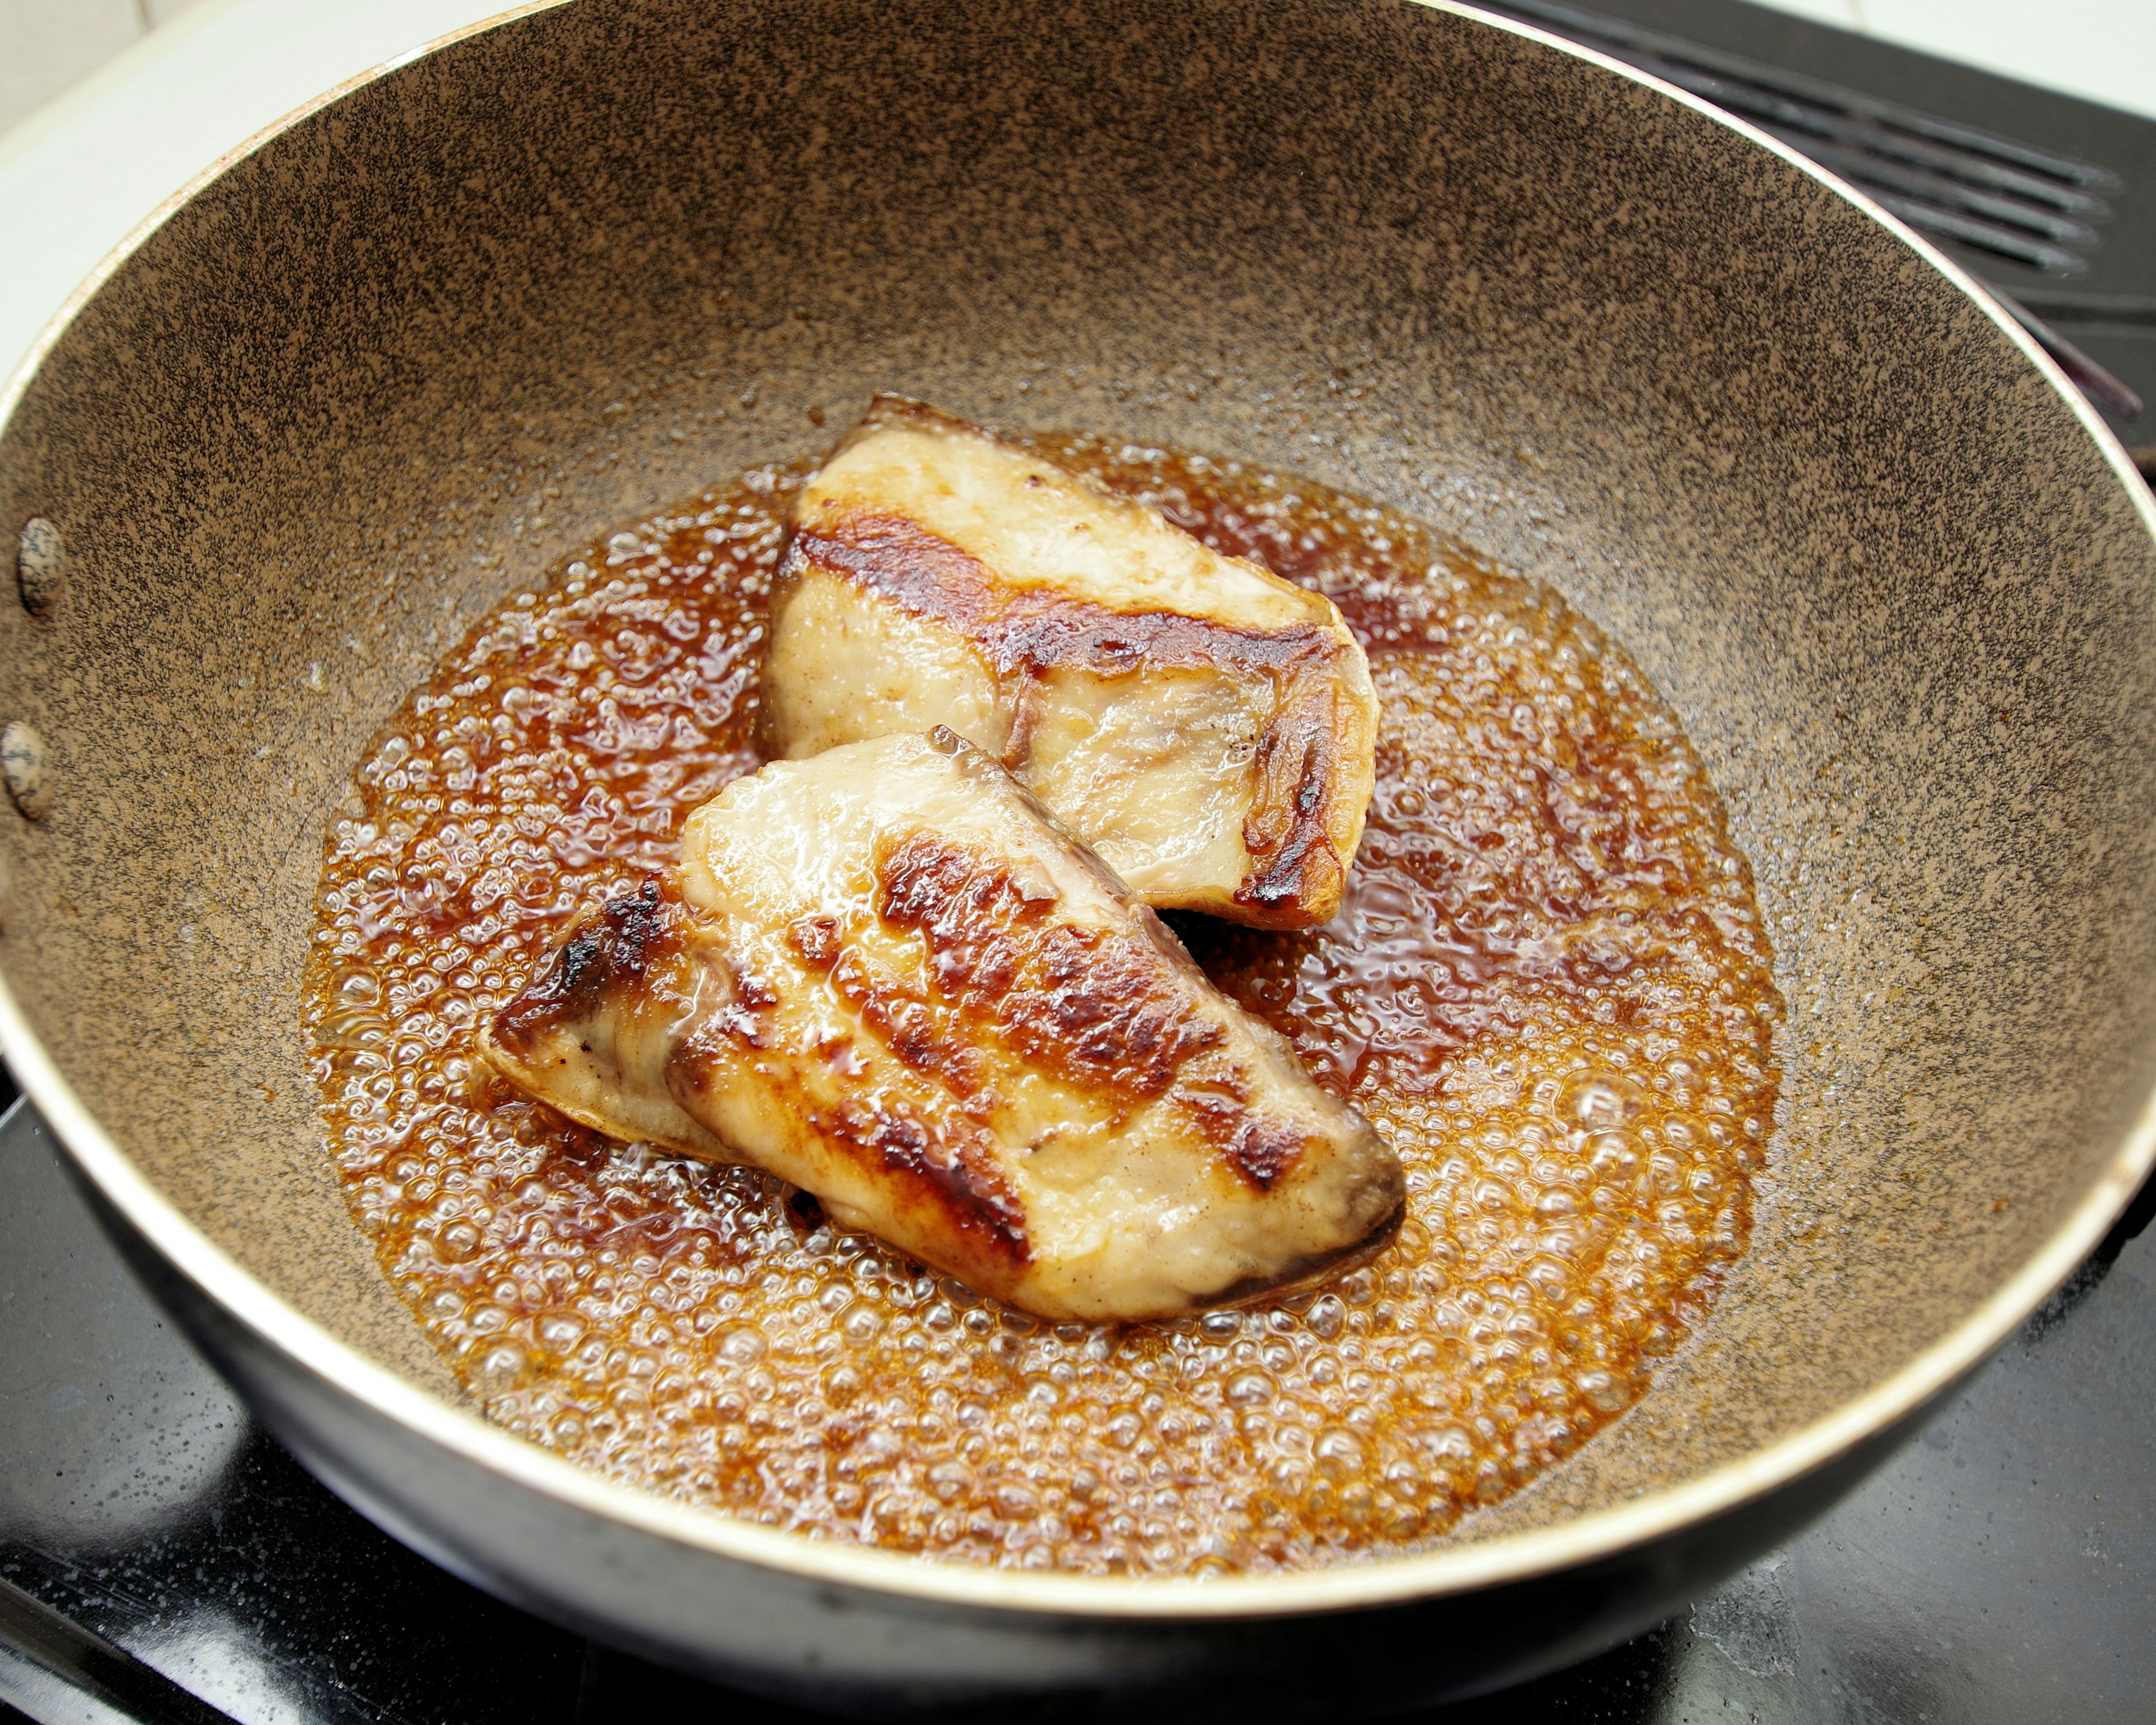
<point x="902" y="987"/>
<point x="1204" y="726"/>
<point x="612" y="950"/>
<point x="1094" y="1007"/>
<point x="948" y="1164"/>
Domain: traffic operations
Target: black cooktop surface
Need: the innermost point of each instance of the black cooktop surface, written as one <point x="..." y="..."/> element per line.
<point x="162" y="1559"/>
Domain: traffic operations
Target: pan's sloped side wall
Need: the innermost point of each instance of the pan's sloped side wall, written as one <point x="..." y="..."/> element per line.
<point x="387" y="368"/>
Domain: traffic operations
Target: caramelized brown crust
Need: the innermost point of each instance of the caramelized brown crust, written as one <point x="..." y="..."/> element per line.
<point x="1026" y="630"/>
<point x="592" y="1032"/>
<point x="1087" y="1005"/>
<point x="894" y="981"/>
<point x="939" y="1172"/>
<point x="612" y="950"/>
<point x="1284" y="665"/>
<point x="1296" y="870"/>
<point x="604" y="967"/>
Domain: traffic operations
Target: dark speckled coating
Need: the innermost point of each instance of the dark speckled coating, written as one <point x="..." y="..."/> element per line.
<point x="390" y="364"/>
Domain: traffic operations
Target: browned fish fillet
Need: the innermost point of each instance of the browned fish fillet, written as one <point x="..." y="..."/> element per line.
<point x="1206" y="726"/>
<point x="885" y="975"/>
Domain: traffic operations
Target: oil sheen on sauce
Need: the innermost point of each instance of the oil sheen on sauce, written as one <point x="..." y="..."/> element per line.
<point x="1548" y="987"/>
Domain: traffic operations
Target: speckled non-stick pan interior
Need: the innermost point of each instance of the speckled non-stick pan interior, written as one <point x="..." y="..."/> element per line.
<point x="393" y="364"/>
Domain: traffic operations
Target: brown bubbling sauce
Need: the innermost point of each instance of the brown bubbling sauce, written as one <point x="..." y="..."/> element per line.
<point x="1548" y="989"/>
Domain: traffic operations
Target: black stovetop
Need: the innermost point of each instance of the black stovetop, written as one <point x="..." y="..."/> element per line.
<point x="158" y="1551"/>
<point x="162" y="1560"/>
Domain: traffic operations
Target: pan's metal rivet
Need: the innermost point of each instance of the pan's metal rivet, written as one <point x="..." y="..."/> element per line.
<point x="23" y="764"/>
<point x="40" y="566"/>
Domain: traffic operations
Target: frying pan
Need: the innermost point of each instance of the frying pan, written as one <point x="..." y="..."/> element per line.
<point x="426" y="336"/>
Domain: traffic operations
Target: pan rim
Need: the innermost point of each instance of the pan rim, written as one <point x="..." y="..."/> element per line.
<point x="1504" y="1559"/>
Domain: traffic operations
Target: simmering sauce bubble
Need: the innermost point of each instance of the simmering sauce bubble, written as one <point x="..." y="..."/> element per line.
<point x="1548" y="987"/>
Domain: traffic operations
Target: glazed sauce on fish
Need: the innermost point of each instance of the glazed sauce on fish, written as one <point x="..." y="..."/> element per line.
<point x="1548" y="989"/>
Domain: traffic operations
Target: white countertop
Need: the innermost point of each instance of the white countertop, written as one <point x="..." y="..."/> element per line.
<point x="2101" y="51"/>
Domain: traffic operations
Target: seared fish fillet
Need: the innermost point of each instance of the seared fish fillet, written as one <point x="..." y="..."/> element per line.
<point x="885" y="975"/>
<point x="1206" y="726"/>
